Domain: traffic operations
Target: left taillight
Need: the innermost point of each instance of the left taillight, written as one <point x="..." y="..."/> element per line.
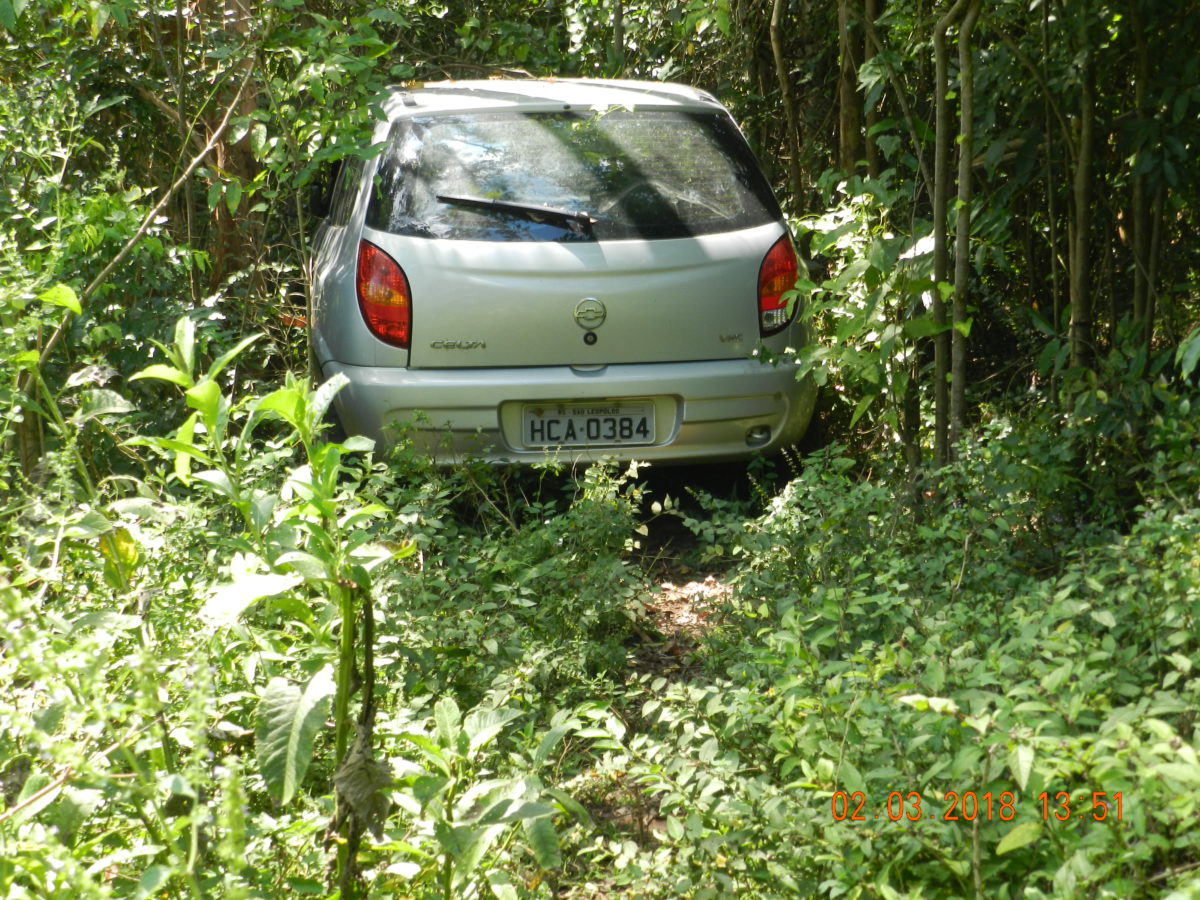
<point x="776" y="276"/>
<point x="383" y="296"/>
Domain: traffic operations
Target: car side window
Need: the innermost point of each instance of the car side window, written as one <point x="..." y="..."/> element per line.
<point x="346" y="190"/>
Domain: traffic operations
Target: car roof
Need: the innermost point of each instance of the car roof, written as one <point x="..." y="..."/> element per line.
<point x="541" y="94"/>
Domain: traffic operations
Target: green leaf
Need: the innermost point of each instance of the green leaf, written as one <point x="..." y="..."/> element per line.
<point x="1103" y="617"/>
<point x="185" y="347"/>
<point x="543" y="840"/>
<point x="447" y="718"/>
<point x="923" y="327"/>
<point x="61" y="295"/>
<point x="258" y="139"/>
<point x="87" y="526"/>
<point x="231" y="600"/>
<point x="233" y="196"/>
<point x="101" y="402"/>
<point x="205" y="398"/>
<point x="8" y="14"/>
<point x="153" y="880"/>
<point x="288" y="719"/>
<point x="288" y="403"/>
<point x="1020" y="763"/>
<point x="323" y="396"/>
<point x="549" y="741"/>
<point x="482" y="726"/>
<point x="964" y="327"/>
<point x="218" y="481"/>
<point x="164" y="373"/>
<point x="861" y="408"/>
<point x="1188" y="354"/>
<point x="1020" y="836"/>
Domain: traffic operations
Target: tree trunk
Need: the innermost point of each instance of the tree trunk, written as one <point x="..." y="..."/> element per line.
<point x="962" y="234"/>
<point x="795" y="178"/>
<point x="941" y="251"/>
<point x="849" y="101"/>
<point x="1082" y="349"/>
<point x="871" y="112"/>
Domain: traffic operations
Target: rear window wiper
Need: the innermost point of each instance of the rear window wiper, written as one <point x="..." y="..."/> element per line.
<point x="575" y="222"/>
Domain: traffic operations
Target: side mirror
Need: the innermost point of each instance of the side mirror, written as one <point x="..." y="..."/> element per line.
<point x="321" y="188"/>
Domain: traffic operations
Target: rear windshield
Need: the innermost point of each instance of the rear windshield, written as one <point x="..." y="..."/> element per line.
<point x="610" y="175"/>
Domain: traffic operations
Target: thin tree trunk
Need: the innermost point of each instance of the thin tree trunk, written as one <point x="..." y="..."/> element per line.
<point x="941" y="250"/>
<point x="871" y="113"/>
<point x="962" y="235"/>
<point x="1139" y="219"/>
<point x="619" y="34"/>
<point x="1081" y="193"/>
<point x="849" y="101"/>
<point x="795" y="178"/>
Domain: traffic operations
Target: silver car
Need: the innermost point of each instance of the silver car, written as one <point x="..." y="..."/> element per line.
<point x="584" y="269"/>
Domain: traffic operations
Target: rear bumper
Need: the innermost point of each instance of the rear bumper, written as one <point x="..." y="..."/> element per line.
<point x="715" y="410"/>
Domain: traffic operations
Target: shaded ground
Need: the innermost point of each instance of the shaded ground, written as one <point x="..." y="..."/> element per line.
<point x="687" y="596"/>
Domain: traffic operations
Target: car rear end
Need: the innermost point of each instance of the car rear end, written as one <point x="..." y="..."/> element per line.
<point x="583" y="269"/>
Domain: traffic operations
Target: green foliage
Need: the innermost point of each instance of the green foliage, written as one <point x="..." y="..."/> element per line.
<point x="232" y="648"/>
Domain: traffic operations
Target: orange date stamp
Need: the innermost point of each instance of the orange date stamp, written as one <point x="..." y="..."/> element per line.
<point x="971" y="806"/>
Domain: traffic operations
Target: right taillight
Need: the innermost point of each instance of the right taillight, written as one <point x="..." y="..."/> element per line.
<point x="776" y="276"/>
<point x="383" y="296"/>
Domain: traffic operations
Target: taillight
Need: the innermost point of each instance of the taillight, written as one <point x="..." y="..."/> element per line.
<point x="776" y="276"/>
<point x="383" y="296"/>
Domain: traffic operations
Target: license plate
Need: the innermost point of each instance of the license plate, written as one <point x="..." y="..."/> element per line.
<point x="587" y="424"/>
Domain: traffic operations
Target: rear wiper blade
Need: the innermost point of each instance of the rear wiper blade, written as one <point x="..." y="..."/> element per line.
<point x="575" y="222"/>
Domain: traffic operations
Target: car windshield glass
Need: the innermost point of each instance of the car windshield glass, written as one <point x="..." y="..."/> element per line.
<point x="627" y="173"/>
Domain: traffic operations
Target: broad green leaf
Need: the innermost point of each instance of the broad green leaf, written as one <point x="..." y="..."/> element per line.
<point x="233" y="196"/>
<point x="164" y="373"/>
<point x="121" y="549"/>
<point x="476" y="842"/>
<point x="861" y="408"/>
<point x="61" y="295"/>
<point x="323" y="396"/>
<point x="1104" y="617"/>
<point x="431" y="751"/>
<point x="1020" y="763"/>
<point x="286" y="402"/>
<point x="549" y="741"/>
<point x="288" y="719"/>
<point x="447" y="718"/>
<point x="38" y="792"/>
<point x="214" y="194"/>
<point x="1186" y="773"/>
<point x="185" y="346"/>
<point x="308" y="566"/>
<point x="205" y="398"/>
<point x="1020" y="836"/>
<point x="9" y="14"/>
<point x="482" y="726"/>
<point x="258" y="139"/>
<point x="502" y="887"/>
<point x="964" y="327"/>
<point x="231" y="600"/>
<point x="101" y="402"/>
<point x="218" y="480"/>
<point x="543" y="840"/>
<point x="1188" y="354"/>
<point x="153" y="880"/>
<point x="89" y="525"/>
